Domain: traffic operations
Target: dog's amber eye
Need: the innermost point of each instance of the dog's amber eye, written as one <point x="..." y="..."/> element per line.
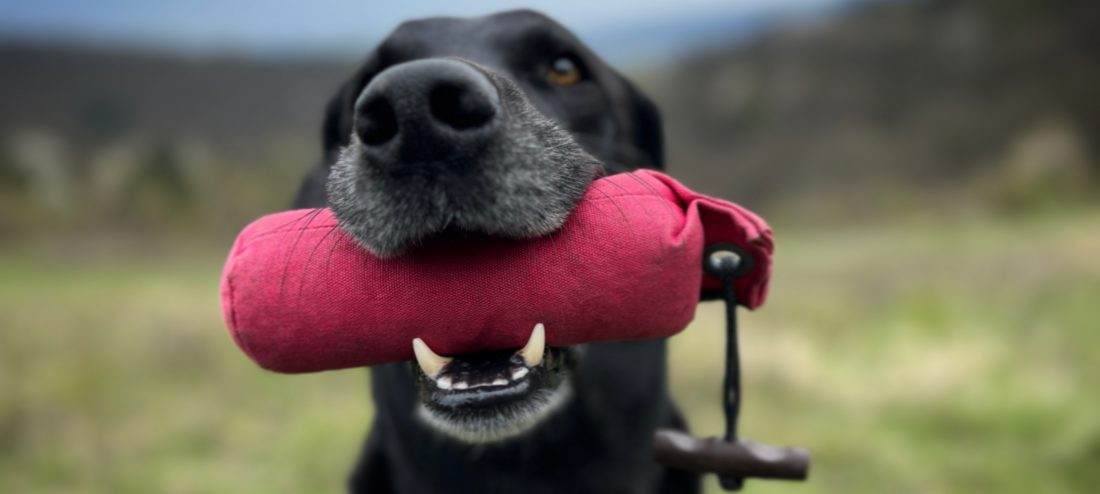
<point x="563" y="72"/>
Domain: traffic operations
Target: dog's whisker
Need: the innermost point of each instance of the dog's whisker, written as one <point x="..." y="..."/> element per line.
<point x="298" y="219"/>
<point x="328" y="257"/>
<point x="290" y="252"/>
<point x="648" y="186"/>
<point x="309" y="261"/>
<point x="611" y="199"/>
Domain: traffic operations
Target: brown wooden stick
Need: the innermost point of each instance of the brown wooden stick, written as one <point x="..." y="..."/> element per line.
<point x="738" y="459"/>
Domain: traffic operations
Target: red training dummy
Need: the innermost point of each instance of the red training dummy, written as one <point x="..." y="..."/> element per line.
<point x="299" y="295"/>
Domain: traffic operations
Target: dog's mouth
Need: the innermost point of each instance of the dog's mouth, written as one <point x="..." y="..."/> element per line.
<point x="494" y="395"/>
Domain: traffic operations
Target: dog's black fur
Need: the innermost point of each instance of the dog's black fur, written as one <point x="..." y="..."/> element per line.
<point x="599" y="439"/>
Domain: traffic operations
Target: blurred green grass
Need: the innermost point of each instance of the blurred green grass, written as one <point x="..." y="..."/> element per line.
<point x="921" y="357"/>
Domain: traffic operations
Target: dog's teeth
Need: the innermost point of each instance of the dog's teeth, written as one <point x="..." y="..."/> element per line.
<point x="429" y="362"/>
<point x="500" y="381"/>
<point x="443" y="382"/>
<point x="519" y="372"/>
<point x="536" y="345"/>
<point x="461" y="385"/>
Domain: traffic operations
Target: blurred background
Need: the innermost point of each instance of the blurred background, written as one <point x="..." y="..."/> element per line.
<point x="931" y="169"/>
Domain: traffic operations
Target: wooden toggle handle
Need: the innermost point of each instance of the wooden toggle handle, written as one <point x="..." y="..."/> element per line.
<point x="742" y="458"/>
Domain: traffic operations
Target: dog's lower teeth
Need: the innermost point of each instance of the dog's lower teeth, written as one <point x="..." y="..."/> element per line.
<point x="443" y="383"/>
<point x="519" y="373"/>
<point x="461" y="385"/>
<point x="500" y="381"/>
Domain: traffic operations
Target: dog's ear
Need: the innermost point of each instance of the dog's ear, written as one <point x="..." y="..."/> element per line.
<point x="646" y="121"/>
<point x="340" y="111"/>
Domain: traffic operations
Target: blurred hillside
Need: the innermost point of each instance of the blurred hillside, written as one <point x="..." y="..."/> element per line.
<point x="880" y="109"/>
<point x="135" y="139"/>
<point x="987" y="100"/>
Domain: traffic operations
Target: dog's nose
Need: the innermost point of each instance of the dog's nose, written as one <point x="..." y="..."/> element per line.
<point x="422" y="111"/>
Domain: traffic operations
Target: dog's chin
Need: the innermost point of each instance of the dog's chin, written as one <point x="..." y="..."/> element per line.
<point x="494" y="396"/>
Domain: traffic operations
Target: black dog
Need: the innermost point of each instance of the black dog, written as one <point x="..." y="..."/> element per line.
<point x="495" y="125"/>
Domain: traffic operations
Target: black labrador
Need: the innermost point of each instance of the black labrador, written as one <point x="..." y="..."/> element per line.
<point x="495" y="125"/>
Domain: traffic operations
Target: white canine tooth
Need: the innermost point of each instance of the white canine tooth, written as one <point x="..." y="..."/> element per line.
<point x="461" y="385"/>
<point x="519" y="372"/>
<point x="429" y="362"/>
<point x="443" y="382"/>
<point x="536" y="345"/>
<point x="500" y="381"/>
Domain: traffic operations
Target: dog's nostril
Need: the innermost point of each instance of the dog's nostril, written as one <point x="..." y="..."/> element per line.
<point x="460" y="107"/>
<point x="376" y="122"/>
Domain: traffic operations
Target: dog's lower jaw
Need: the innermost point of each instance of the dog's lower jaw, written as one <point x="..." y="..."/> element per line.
<point x="507" y="423"/>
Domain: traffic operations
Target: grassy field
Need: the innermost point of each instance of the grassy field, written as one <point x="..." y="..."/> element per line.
<point x="921" y="358"/>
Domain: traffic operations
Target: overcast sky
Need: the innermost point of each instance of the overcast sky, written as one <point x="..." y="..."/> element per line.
<point x="317" y="25"/>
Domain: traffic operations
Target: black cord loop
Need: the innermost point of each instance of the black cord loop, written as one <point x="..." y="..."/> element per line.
<point x="728" y="262"/>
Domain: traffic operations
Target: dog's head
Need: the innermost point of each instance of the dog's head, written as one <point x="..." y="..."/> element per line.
<point x="492" y="125"/>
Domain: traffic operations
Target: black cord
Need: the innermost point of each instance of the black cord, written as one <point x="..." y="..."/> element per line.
<point x="728" y="262"/>
<point x="731" y="399"/>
